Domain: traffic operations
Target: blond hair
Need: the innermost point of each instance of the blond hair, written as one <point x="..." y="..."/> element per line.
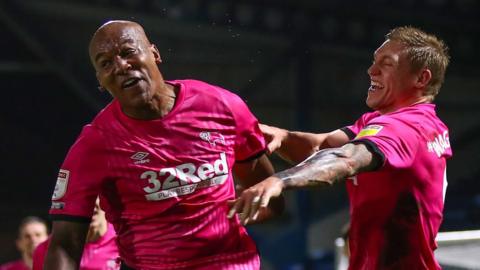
<point x="424" y="51"/>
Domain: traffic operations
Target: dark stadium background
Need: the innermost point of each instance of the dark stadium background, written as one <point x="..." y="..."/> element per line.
<point x="299" y="64"/>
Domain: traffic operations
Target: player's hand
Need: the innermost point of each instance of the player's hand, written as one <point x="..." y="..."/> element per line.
<point x="274" y="137"/>
<point x="255" y="199"/>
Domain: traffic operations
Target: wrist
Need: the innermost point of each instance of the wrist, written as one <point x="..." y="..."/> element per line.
<point x="284" y="134"/>
<point x="278" y="182"/>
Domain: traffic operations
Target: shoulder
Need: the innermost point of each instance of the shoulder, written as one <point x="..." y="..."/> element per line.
<point x="408" y="123"/>
<point x="207" y="90"/>
<point x="7" y="265"/>
<point x="419" y="116"/>
<point x="391" y="124"/>
<point x="94" y="132"/>
<point x="90" y="135"/>
<point x="105" y="116"/>
<point x="14" y="265"/>
<point x="368" y="116"/>
<point x="39" y="254"/>
<point x="90" y="142"/>
<point x="43" y="246"/>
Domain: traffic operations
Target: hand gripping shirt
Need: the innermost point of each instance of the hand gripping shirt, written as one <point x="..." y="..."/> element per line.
<point x="396" y="210"/>
<point x="164" y="183"/>
<point x="98" y="255"/>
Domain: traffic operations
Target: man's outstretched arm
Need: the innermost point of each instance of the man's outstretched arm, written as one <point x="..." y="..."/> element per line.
<point x="66" y="246"/>
<point x="325" y="167"/>
<point x="295" y="146"/>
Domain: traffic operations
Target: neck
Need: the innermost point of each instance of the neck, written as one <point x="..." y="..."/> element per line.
<point x="406" y="103"/>
<point x="160" y="104"/>
<point x="27" y="259"/>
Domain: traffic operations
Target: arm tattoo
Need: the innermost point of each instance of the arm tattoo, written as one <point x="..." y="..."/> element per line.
<point x="328" y="166"/>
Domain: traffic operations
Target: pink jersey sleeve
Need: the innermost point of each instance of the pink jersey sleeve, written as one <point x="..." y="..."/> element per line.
<point x="353" y="130"/>
<point x="396" y="139"/>
<point x="249" y="140"/>
<point x="79" y="179"/>
<point x="39" y="255"/>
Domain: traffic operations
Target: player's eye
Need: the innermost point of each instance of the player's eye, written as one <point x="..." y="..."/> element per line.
<point x="128" y="52"/>
<point x="105" y="64"/>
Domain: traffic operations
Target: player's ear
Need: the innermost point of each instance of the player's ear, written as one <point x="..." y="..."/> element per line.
<point x="100" y="86"/>
<point x="423" y="78"/>
<point x="156" y="54"/>
<point x="97" y="75"/>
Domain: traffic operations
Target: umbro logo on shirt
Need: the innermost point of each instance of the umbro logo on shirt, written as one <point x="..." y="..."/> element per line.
<point x="139" y="157"/>
<point x="212" y="137"/>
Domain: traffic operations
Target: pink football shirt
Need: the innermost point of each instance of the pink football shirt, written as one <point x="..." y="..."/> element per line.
<point x="164" y="184"/>
<point x="396" y="210"/>
<point x="99" y="255"/>
<point x="15" y="265"/>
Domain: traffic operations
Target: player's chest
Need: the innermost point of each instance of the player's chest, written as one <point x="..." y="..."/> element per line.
<point x="171" y="164"/>
<point x="167" y="146"/>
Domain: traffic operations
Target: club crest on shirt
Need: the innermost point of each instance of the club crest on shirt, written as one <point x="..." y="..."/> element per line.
<point x="212" y="137"/>
<point x="370" y="130"/>
<point x="61" y="185"/>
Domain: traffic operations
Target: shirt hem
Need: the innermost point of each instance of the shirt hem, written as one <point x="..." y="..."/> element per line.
<point x="61" y="217"/>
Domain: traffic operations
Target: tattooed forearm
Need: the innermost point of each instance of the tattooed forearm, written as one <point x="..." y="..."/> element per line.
<point x="327" y="166"/>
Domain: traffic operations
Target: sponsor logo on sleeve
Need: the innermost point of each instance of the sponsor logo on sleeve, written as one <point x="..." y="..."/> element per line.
<point x="61" y="185"/>
<point x="439" y="144"/>
<point x="370" y="130"/>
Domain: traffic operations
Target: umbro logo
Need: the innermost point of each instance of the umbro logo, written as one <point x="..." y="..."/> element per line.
<point x="139" y="157"/>
<point x="212" y="137"/>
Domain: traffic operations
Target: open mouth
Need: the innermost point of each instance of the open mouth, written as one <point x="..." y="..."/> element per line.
<point x="374" y="86"/>
<point x="130" y="82"/>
